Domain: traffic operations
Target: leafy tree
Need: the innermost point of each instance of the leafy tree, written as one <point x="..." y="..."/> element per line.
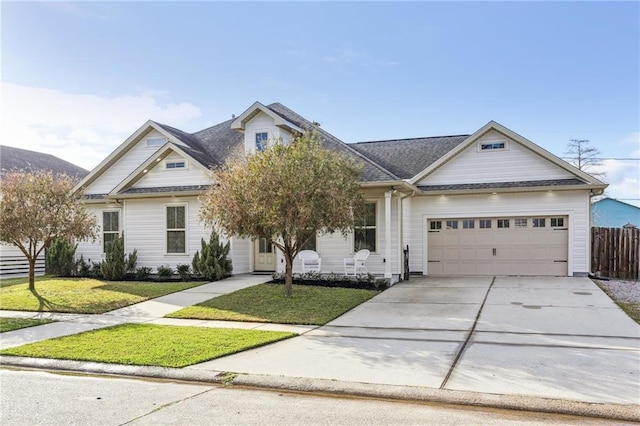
<point x="38" y="207"/>
<point x="212" y="263"/>
<point x="584" y="156"/>
<point x="286" y="194"/>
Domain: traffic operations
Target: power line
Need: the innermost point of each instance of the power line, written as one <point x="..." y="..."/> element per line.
<point x="605" y="158"/>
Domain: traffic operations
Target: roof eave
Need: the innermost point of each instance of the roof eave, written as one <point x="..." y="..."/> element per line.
<point x="594" y="190"/>
<point x="240" y="122"/>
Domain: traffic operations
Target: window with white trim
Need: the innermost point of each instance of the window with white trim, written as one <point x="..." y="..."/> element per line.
<point x="492" y="146"/>
<point x="364" y="236"/>
<point x="503" y="223"/>
<point x="557" y="222"/>
<point x="176" y="229"/>
<point x="175" y="164"/>
<point x="435" y="225"/>
<point x="155" y="142"/>
<point x="520" y="223"/>
<point x="485" y="223"/>
<point x="311" y="244"/>
<point x="261" y="141"/>
<point x="452" y="224"/>
<point x="110" y="228"/>
<point x="539" y="222"/>
<point x="468" y="224"/>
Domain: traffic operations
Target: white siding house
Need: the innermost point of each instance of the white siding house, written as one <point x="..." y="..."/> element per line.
<point x="490" y="203"/>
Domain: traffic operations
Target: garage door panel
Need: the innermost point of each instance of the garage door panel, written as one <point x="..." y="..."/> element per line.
<point x="518" y="250"/>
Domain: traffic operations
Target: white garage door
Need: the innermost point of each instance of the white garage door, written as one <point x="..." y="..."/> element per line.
<point x="498" y="246"/>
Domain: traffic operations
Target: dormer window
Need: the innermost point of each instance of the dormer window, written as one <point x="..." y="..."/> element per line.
<point x="176" y="164"/>
<point x="261" y="141"/>
<point x="492" y="146"/>
<point x="155" y="142"/>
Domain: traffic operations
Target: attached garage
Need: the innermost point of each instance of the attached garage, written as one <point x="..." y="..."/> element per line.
<point x="534" y="245"/>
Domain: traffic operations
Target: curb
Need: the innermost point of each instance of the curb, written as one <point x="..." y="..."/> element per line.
<point x="630" y="412"/>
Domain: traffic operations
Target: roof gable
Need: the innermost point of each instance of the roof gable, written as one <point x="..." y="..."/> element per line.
<point x="545" y="160"/>
<point x="279" y="120"/>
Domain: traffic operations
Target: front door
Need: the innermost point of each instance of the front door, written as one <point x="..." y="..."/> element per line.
<point x="264" y="256"/>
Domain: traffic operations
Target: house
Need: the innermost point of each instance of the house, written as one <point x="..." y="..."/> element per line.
<point x="488" y="203"/>
<point x="12" y="261"/>
<point x="610" y="213"/>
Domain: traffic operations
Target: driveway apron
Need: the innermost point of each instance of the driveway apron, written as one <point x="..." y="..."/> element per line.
<point x="555" y="337"/>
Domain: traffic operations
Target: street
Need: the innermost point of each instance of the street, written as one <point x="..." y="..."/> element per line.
<point x="37" y="397"/>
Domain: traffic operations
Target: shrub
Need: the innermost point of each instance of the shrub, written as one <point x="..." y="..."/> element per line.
<point x="60" y="258"/>
<point x="184" y="271"/>
<point x="142" y="273"/>
<point x="211" y="262"/>
<point x="116" y="265"/>
<point x="165" y="271"/>
<point x="83" y="268"/>
<point x="96" y="270"/>
<point x="368" y="282"/>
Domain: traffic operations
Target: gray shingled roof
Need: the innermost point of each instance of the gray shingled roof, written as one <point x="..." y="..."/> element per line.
<point x="499" y="185"/>
<point x="21" y="159"/>
<point x="371" y="172"/>
<point x="407" y="157"/>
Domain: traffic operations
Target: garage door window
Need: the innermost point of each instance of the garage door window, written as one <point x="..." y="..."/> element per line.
<point x="485" y="223"/>
<point x="557" y="222"/>
<point x="539" y="223"/>
<point x="452" y="224"/>
<point x="434" y="225"/>
<point x="468" y="224"/>
<point x="503" y="223"/>
<point x="520" y="223"/>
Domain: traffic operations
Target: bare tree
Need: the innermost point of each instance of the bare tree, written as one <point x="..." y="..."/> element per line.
<point x="584" y="157"/>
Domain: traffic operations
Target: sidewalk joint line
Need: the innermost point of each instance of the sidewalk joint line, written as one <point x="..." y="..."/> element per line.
<point x="466" y="342"/>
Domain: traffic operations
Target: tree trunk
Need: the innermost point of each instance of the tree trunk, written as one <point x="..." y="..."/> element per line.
<point x="288" y="276"/>
<point x="32" y="274"/>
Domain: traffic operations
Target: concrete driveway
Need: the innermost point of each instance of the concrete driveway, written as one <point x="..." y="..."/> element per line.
<point x="540" y="336"/>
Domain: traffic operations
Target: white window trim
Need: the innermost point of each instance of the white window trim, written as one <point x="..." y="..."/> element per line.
<point x="157" y="138"/>
<point x="353" y="236"/>
<point x="493" y="141"/>
<point x="186" y="228"/>
<point x="183" y="160"/>
<point x="255" y="133"/>
<point x="102" y="232"/>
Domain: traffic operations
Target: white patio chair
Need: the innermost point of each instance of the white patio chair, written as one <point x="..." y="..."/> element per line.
<point x="311" y="261"/>
<point x="355" y="263"/>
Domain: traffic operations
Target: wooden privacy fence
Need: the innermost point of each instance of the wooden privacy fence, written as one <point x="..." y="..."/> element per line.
<point x="615" y="252"/>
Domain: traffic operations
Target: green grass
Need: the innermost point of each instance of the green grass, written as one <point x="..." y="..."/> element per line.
<point x="10" y="324"/>
<point x="81" y="295"/>
<point x="631" y="308"/>
<point x="147" y="344"/>
<point x="267" y="303"/>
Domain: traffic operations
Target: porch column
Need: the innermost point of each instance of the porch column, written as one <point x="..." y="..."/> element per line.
<point x="387" y="234"/>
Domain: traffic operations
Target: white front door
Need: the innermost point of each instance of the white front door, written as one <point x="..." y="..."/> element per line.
<point x="264" y="256"/>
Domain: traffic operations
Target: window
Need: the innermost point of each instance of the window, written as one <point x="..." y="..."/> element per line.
<point x="539" y="223"/>
<point x="155" y="142"/>
<point x="503" y="223"/>
<point x="435" y="225"/>
<point x="110" y="228"/>
<point x="176" y="229"/>
<point x="452" y="224"/>
<point x="468" y="224"/>
<point x="520" y="223"/>
<point x="261" y="141"/>
<point x="176" y="164"/>
<point x="310" y="244"/>
<point x="557" y="222"/>
<point x="264" y="246"/>
<point x="365" y="231"/>
<point x="492" y="145"/>
<point x="485" y="223"/>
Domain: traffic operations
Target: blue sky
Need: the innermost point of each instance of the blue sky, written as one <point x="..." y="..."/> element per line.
<point x="78" y="78"/>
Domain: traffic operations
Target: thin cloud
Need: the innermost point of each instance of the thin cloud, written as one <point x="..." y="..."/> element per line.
<point x="81" y="128"/>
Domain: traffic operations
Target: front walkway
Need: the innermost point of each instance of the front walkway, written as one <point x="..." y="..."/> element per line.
<point x="149" y="312"/>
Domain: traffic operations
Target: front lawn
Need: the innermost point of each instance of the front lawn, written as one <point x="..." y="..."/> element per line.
<point x="10" y="324"/>
<point x="147" y="344"/>
<point x="81" y="295"/>
<point x="267" y="303"/>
